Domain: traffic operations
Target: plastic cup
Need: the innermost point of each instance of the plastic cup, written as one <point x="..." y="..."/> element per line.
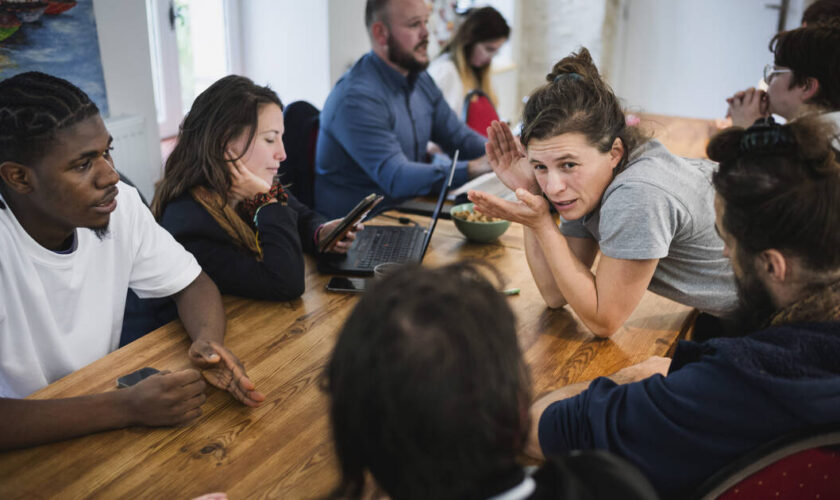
<point x="386" y="269"/>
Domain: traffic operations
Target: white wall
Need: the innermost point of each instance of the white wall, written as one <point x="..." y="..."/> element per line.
<point x="124" y="46"/>
<point x="285" y="45"/>
<point x="684" y="58"/>
<point x="551" y="30"/>
<point x="347" y="34"/>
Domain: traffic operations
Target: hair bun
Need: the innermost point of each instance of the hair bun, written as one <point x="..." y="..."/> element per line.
<point x="567" y="76"/>
<point x="577" y="66"/>
<point x="725" y="146"/>
<point x="766" y="136"/>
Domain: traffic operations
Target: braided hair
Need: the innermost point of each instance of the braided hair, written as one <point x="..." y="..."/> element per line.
<point x="33" y="107"/>
<point x="780" y="185"/>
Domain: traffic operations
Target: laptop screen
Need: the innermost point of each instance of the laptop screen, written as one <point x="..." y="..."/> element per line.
<point x="441" y="198"/>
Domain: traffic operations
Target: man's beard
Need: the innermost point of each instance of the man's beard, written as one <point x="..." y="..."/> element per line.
<point x="405" y="59"/>
<point x="755" y="305"/>
<point x="101" y="232"/>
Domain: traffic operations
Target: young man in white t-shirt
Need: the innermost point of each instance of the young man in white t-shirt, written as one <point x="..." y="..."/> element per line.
<point x="73" y="240"/>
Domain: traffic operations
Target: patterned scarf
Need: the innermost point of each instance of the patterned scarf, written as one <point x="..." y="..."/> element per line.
<point x="822" y="305"/>
<point x="240" y="231"/>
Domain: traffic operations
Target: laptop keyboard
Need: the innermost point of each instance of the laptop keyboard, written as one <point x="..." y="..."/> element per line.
<point x="388" y="244"/>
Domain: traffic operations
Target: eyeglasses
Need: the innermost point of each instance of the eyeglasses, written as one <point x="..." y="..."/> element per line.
<point x="772" y="70"/>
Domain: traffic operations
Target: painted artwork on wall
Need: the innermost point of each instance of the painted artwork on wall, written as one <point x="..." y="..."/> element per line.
<point x="56" y="37"/>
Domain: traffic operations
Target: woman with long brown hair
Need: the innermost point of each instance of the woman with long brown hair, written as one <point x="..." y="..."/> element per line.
<point x="220" y="199"/>
<point x="464" y="63"/>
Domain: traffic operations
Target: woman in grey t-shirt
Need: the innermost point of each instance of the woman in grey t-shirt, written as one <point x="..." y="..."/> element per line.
<point x="650" y="213"/>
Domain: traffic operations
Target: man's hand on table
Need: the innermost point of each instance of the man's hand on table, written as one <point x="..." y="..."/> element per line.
<point x="165" y="398"/>
<point x="223" y="369"/>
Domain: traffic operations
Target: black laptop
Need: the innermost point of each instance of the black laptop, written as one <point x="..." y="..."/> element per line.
<point x="377" y="244"/>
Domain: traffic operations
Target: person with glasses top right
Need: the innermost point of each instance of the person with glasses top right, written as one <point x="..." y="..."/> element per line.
<point x="804" y="78"/>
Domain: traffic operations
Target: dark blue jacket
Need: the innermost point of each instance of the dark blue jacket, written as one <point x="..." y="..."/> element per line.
<point x="721" y="399"/>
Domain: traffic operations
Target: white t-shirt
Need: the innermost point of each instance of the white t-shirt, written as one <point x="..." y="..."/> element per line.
<point x="60" y="312"/>
<point x="446" y="77"/>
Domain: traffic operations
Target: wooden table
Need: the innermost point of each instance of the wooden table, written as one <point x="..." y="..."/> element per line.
<point x="283" y="449"/>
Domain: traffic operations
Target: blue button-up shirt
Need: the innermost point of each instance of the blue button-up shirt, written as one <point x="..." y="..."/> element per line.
<point x="374" y="129"/>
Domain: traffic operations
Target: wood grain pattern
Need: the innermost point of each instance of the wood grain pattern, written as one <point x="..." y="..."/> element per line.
<point x="283" y="448"/>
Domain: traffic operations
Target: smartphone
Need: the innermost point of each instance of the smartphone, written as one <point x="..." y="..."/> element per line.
<point x="358" y="213"/>
<point x="346" y="285"/>
<point x="134" y="377"/>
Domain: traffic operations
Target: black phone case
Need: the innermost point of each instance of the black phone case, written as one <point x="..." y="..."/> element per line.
<point x="136" y="376"/>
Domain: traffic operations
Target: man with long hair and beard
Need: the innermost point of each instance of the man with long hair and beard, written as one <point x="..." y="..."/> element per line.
<point x="682" y="419"/>
<point x="382" y="113"/>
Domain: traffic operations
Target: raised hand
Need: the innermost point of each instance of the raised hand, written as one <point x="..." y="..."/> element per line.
<point x="747" y="106"/>
<point x="507" y="159"/>
<point x="166" y="398"/>
<point x="245" y="184"/>
<point x="224" y="370"/>
<point x="531" y="210"/>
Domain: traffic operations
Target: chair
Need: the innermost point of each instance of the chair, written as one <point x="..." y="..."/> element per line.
<point x="126" y="180"/>
<point x="805" y="464"/>
<point x="478" y="111"/>
<point x="300" y="137"/>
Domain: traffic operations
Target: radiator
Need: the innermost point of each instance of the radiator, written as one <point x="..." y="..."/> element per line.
<point x="131" y="156"/>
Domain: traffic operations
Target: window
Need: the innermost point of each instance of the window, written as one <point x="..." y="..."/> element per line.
<point x="193" y="43"/>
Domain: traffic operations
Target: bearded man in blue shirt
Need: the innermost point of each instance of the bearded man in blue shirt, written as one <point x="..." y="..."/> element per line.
<point x="382" y="113"/>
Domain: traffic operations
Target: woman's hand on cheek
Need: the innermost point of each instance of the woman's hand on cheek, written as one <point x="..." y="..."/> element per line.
<point x="244" y="184"/>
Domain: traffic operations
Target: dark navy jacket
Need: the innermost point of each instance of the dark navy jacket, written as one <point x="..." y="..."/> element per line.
<point x="721" y="399"/>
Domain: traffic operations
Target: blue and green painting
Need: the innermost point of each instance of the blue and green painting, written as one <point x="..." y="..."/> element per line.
<point x="56" y="37"/>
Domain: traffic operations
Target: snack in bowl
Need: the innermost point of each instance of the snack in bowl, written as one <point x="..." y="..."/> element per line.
<point x="477" y="226"/>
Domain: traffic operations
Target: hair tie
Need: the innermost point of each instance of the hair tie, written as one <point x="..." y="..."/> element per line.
<point x="766" y="136"/>
<point x="567" y="76"/>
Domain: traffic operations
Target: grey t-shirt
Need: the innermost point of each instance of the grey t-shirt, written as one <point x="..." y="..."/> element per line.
<point x="662" y="207"/>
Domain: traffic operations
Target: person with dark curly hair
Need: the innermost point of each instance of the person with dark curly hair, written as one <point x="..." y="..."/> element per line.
<point x="428" y="393"/>
<point x="777" y="193"/>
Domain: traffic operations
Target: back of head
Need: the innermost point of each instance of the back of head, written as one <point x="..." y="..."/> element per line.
<point x="375" y="11"/>
<point x="223" y="112"/>
<point x="812" y="52"/>
<point x="33" y="107"/>
<point x="577" y="99"/>
<point x="428" y="387"/>
<point x="780" y="185"/>
<point x="821" y="11"/>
